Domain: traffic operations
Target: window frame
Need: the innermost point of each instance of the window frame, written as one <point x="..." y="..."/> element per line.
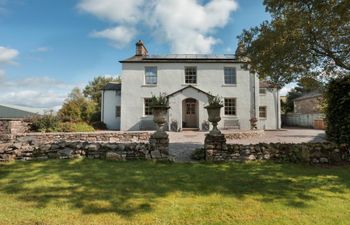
<point x="195" y="76"/>
<point x="148" y="77"/>
<point x="233" y="107"/>
<point x="265" y="112"/>
<point x="234" y="75"/>
<point x="262" y="93"/>
<point x="147" y="110"/>
<point x="117" y="111"/>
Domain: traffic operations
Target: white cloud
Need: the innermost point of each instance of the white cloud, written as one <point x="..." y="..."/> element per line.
<point x="189" y="26"/>
<point x="7" y="54"/>
<point x="284" y="91"/>
<point x="41" y="49"/>
<point x="114" y="10"/>
<point x="119" y="36"/>
<point x="34" y="91"/>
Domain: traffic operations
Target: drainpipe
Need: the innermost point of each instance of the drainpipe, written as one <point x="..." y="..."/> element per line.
<point x="102" y="106"/>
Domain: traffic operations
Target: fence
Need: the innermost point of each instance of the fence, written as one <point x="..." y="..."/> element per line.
<point x="304" y="120"/>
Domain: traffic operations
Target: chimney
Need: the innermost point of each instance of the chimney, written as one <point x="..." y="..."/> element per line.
<point x="141" y="49"/>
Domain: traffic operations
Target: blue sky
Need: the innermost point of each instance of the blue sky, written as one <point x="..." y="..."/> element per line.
<point x="47" y="47"/>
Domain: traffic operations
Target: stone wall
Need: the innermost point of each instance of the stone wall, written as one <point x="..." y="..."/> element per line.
<point x="78" y="149"/>
<point x="103" y="136"/>
<point x="9" y="128"/>
<point x="244" y="134"/>
<point x="313" y="153"/>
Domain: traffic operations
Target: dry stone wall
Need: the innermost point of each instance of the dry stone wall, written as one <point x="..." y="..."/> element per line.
<point x="313" y="153"/>
<point x="78" y="149"/>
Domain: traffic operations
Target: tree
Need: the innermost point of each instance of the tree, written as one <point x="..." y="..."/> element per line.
<point x="77" y="108"/>
<point x="337" y="110"/>
<point x="93" y="89"/>
<point x="303" y="38"/>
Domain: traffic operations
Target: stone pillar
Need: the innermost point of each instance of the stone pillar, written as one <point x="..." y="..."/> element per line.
<point x="159" y="146"/>
<point x="215" y="147"/>
<point x="5" y="131"/>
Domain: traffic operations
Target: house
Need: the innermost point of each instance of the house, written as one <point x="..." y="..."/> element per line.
<point x="18" y="112"/>
<point x="308" y="103"/>
<point x="188" y="80"/>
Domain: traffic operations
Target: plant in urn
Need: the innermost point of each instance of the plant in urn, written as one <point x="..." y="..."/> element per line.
<point x="214" y="107"/>
<point x="160" y="107"/>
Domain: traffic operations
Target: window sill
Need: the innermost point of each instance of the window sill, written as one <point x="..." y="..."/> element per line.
<point x="229" y="85"/>
<point x="263" y="118"/>
<point x="230" y="116"/>
<point x="146" y="117"/>
<point x="149" y="85"/>
<point x="189" y="84"/>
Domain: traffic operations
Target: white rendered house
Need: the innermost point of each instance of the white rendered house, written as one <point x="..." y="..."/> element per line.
<point x="188" y="79"/>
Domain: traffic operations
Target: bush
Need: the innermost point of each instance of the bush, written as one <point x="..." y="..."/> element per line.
<point x="46" y="123"/>
<point x="99" y="125"/>
<point x="75" y="127"/>
<point x="198" y="154"/>
<point x="337" y="110"/>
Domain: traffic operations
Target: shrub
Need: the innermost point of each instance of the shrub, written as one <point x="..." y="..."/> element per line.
<point x="75" y="127"/>
<point x="337" y="110"/>
<point x="198" y="154"/>
<point x="215" y="101"/>
<point x="46" y="123"/>
<point x="160" y="100"/>
<point x="99" y="125"/>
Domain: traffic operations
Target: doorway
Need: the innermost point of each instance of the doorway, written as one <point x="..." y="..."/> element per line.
<point x="190" y="113"/>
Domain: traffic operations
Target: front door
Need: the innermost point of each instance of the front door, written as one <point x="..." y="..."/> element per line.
<point x="190" y="117"/>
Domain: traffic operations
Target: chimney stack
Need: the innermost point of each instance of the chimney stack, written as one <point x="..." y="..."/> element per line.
<point x="141" y="49"/>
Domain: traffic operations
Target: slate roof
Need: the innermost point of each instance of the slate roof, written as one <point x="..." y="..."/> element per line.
<point x="309" y="95"/>
<point x="186" y="58"/>
<point x="112" y="86"/>
<point x="40" y="111"/>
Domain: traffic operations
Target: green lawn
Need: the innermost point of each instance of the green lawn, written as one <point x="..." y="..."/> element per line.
<point x="106" y="192"/>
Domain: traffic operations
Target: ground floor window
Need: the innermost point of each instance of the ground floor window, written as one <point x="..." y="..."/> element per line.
<point x="230" y="106"/>
<point x="147" y="107"/>
<point x="262" y="111"/>
<point x="117" y="111"/>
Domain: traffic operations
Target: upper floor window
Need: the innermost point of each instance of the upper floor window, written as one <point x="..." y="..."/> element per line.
<point x="262" y="111"/>
<point x="230" y="75"/>
<point x="230" y="106"/>
<point x="190" y="75"/>
<point x="262" y="91"/>
<point x="151" y="75"/>
<point x="117" y="111"/>
<point x="147" y="107"/>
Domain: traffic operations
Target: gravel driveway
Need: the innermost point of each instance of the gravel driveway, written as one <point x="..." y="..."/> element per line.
<point x="183" y="143"/>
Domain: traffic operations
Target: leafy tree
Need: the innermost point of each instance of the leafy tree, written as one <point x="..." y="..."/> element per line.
<point x="303" y="38"/>
<point x="77" y="108"/>
<point x="93" y="89"/>
<point x="337" y="110"/>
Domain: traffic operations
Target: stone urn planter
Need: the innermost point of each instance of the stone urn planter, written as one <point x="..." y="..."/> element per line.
<point x="160" y="118"/>
<point x="214" y="117"/>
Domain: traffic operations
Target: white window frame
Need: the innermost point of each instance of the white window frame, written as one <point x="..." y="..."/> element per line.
<point x="234" y="75"/>
<point x="262" y="107"/>
<point x="264" y="92"/>
<point x="196" y="75"/>
<point x="235" y="107"/>
<point x="147" y="76"/>
<point x="147" y="110"/>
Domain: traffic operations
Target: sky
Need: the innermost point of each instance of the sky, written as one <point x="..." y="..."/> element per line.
<point x="48" y="47"/>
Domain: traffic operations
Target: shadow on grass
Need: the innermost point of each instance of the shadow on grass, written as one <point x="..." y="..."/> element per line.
<point x="129" y="188"/>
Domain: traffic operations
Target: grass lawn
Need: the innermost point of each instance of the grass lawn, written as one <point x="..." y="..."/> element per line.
<point x="106" y="192"/>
